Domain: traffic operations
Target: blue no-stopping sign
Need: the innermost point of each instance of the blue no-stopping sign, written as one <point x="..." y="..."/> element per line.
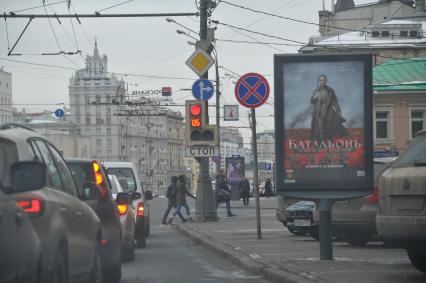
<point x="252" y="90"/>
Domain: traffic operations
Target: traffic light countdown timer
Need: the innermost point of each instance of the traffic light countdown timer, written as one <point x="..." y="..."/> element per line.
<point x="198" y="131"/>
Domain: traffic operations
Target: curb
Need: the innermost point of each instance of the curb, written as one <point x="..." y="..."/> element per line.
<point x="242" y="260"/>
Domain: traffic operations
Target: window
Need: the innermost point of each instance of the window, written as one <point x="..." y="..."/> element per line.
<point x="98" y="131"/>
<point x="403" y="33"/>
<point x="64" y="172"/>
<point x="108" y="131"/>
<point x="53" y="179"/>
<point x="385" y="33"/>
<point x="382" y="130"/>
<point x="375" y="34"/>
<point x="417" y="121"/>
<point x="413" y="33"/>
<point x="87" y="120"/>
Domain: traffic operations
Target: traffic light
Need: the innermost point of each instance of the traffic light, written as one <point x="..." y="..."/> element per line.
<point x="199" y="132"/>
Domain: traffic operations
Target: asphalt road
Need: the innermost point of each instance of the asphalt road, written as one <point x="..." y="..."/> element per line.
<point x="170" y="257"/>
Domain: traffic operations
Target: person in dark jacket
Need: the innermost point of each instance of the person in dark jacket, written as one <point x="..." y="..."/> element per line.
<point x="222" y="192"/>
<point x="181" y="194"/>
<point x="245" y="190"/>
<point x="268" y="188"/>
<point x="171" y="196"/>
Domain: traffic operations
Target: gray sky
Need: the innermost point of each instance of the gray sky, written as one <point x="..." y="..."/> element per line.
<point x="149" y="46"/>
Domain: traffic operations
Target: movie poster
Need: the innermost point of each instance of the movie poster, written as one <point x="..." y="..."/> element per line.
<point x="234" y="169"/>
<point x="323" y="137"/>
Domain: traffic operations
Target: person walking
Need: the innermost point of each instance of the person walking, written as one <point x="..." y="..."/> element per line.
<point x="171" y="196"/>
<point x="268" y="188"/>
<point x="181" y="194"/>
<point x="222" y="192"/>
<point x="245" y="190"/>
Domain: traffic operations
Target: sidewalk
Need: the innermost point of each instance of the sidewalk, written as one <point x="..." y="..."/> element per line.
<point x="283" y="257"/>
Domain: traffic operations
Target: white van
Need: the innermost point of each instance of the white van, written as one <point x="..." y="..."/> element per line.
<point x="128" y="171"/>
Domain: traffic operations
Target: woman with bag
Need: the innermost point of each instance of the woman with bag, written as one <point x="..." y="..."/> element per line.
<point x="222" y="192"/>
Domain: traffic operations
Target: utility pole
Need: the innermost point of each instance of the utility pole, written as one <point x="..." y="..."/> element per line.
<point x="204" y="205"/>
<point x="219" y="161"/>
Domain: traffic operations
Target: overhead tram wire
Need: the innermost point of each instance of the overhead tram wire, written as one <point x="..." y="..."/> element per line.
<point x="122" y="3"/>
<point x="82" y="27"/>
<point x="32" y="8"/>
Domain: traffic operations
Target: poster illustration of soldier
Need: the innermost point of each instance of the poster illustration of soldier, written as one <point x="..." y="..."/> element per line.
<point x="234" y="169"/>
<point x="323" y="136"/>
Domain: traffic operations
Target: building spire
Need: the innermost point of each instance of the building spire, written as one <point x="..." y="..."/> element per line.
<point x="96" y="51"/>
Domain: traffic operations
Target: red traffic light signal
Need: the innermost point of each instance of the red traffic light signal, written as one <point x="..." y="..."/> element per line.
<point x="195" y="110"/>
<point x="199" y="132"/>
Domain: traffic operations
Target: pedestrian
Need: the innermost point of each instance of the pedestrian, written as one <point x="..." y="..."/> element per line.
<point x="245" y="190"/>
<point x="222" y="192"/>
<point x="268" y="188"/>
<point x="171" y="196"/>
<point x="181" y="194"/>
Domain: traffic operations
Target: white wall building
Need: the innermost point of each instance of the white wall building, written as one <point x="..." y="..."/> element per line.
<point x="5" y="96"/>
<point x="120" y="129"/>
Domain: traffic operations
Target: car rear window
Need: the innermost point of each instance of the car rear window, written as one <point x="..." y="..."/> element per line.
<point x="82" y="173"/>
<point x="414" y="154"/>
<point x="126" y="177"/>
<point x="8" y="156"/>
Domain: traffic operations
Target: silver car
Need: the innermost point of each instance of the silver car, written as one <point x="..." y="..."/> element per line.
<point x="127" y="213"/>
<point x="401" y="218"/>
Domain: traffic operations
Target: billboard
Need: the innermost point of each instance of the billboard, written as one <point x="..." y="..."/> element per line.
<point x="323" y="120"/>
<point x="234" y="169"/>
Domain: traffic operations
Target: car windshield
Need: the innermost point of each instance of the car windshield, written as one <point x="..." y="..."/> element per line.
<point x="8" y="156"/>
<point x="125" y="177"/>
<point x="414" y="154"/>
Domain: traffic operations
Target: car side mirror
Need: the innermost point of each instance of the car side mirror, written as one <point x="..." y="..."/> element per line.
<point x="123" y="198"/>
<point x="135" y="195"/>
<point x="148" y="195"/>
<point x="27" y="176"/>
<point x="91" y="191"/>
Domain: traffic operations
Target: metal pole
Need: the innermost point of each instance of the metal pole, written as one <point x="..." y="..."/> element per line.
<point x="325" y="233"/>
<point x="218" y="110"/>
<point x="255" y="173"/>
<point x="96" y="15"/>
<point x="204" y="205"/>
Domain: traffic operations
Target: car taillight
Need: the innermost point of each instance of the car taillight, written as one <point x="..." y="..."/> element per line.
<point x="374" y="197"/>
<point x="141" y="209"/>
<point x="99" y="179"/>
<point x="122" y="209"/>
<point x="31" y="206"/>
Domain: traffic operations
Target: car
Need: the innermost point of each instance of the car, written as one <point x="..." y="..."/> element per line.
<point x="18" y="239"/>
<point x="91" y="171"/>
<point x="127" y="213"/>
<point x="68" y="229"/>
<point x="129" y="172"/>
<point x="299" y="217"/>
<point x="401" y="217"/>
<point x="355" y="219"/>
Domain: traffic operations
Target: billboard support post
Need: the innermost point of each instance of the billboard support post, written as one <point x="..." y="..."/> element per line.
<point x="325" y="234"/>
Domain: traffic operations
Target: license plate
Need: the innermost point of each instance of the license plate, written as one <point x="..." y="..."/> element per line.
<point x="302" y="222"/>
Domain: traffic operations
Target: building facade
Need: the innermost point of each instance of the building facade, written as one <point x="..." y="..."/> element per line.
<point x="5" y="96"/>
<point x="344" y="15"/>
<point x="124" y="129"/>
<point x="399" y="103"/>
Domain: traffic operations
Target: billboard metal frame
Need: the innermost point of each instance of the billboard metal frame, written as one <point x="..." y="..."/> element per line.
<point x="333" y="189"/>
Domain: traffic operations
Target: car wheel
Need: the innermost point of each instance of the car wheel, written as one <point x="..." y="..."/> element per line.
<point x="141" y="239"/>
<point x="59" y="274"/>
<point x="418" y="259"/>
<point x="356" y="239"/>
<point x="97" y="267"/>
<point x="128" y="253"/>
<point x="113" y="274"/>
